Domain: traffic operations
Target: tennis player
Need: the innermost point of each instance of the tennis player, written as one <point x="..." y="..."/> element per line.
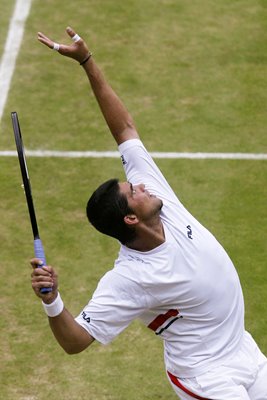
<point x="171" y="272"/>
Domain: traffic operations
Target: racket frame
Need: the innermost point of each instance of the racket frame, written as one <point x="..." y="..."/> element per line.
<point x="38" y="246"/>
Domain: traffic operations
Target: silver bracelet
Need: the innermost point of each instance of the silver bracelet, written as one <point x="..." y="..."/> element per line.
<point x="55" y="308"/>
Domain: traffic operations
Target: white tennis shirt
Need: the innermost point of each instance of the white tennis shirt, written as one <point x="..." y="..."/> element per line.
<point x="186" y="290"/>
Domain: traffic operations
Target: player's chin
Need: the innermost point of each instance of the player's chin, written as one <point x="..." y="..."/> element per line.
<point x="159" y="203"/>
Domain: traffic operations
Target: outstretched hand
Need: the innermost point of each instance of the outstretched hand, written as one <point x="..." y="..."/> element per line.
<point x="78" y="50"/>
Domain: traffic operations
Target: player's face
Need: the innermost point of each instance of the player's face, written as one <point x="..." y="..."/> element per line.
<point x="143" y="204"/>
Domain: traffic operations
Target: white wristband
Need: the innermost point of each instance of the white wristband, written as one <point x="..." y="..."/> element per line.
<point x="55" y="308"/>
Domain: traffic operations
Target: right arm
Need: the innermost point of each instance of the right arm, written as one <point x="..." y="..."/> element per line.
<point x="115" y="113"/>
<point x="71" y="336"/>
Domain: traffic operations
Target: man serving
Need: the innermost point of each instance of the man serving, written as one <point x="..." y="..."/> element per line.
<point x="171" y="272"/>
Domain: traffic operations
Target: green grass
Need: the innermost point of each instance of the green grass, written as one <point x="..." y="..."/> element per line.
<point x="193" y="74"/>
<point x="6" y="7"/>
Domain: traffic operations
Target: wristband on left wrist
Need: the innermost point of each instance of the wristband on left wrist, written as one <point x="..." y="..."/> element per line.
<point x="55" y="308"/>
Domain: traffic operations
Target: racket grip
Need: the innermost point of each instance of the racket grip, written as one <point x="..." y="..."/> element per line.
<point x="39" y="253"/>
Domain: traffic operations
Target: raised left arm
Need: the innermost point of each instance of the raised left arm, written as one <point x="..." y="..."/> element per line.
<point x="114" y="111"/>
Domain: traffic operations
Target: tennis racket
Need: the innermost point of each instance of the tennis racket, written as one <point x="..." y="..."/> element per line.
<point x="38" y="246"/>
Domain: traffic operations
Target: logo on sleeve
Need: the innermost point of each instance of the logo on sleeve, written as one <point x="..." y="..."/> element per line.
<point x="189" y="232"/>
<point x="87" y="319"/>
<point x="124" y="162"/>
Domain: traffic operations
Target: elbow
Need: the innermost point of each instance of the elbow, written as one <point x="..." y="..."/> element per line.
<point x="70" y="350"/>
<point x="75" y="348"/>
<point x="127" y="132"/>
<point x="75" y="344"/>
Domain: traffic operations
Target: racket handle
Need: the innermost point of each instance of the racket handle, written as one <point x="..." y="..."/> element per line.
<point x="39" y="253"/>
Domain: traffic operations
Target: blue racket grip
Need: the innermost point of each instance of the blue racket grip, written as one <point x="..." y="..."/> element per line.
<point x="39" y="253"/>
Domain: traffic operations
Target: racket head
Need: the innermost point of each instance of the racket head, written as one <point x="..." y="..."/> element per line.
<point x="24" y="172"/>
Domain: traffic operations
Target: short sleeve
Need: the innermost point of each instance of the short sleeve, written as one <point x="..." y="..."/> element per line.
<point x="116" y="302"/>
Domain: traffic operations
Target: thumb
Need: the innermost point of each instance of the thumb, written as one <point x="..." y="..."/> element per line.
<point x="36" y="262"/>
<point x="70" y="32"/>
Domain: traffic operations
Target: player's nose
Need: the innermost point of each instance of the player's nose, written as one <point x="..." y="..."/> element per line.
<point x="142" y="187"/>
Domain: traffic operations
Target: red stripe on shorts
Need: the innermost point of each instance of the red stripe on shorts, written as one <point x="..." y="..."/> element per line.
<point x="177" y="383"/>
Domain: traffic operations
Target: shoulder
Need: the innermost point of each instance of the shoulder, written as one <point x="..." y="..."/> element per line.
<point x="118" y="288"/>
<point x="118" y="280"/>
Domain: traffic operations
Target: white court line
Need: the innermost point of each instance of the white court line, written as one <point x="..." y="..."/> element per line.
<point x="11" y="49"/>
<point x="116" y="154"/>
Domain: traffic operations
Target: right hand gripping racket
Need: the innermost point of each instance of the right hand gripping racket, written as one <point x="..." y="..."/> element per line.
<point x="38" y="246"/>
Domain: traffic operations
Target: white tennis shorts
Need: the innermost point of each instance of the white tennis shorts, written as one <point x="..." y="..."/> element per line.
<point x="243" y="377"/>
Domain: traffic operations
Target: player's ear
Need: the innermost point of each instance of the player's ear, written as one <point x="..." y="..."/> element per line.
<point x="131" y="219"/>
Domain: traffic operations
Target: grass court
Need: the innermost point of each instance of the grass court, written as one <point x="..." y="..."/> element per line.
<point x="193" y="75"/>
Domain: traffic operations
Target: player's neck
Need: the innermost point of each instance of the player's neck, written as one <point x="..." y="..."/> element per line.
<point x="148" y="238"/>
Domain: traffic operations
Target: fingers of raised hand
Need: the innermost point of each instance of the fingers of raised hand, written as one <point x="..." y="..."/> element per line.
<point x="52" y="45"/>
<point x="45" y="40"/>
<point x="78" y="50"/>
<point x="48" y="42"/>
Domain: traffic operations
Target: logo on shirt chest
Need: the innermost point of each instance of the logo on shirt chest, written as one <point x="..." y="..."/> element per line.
<point x="164" y="321"/>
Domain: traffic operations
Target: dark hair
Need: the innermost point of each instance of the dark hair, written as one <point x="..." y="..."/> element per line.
<point x="106" y="210"/>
